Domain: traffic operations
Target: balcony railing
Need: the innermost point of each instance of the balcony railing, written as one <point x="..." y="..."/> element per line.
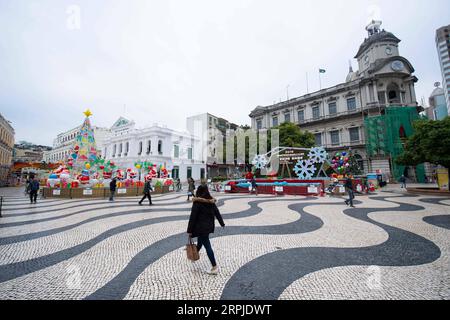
<point x="369" y="106"/>
<point x="344" y="144"/>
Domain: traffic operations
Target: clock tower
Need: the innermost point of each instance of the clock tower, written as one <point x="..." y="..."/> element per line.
<point x="380" y="44"/>
<point x="386" y="77"/>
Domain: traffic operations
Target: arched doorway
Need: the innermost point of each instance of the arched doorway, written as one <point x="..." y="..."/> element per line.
<point x="360" y="162"/>
<point x="393" y="93"/>
<point x="176" y="172"/>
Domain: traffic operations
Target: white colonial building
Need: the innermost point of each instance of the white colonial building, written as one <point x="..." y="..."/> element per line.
<point x="179" y="152"/>
<point x="336" y="115"/>
<point x="63" y="143"/>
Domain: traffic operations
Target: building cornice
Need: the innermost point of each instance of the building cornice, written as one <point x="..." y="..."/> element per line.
<point x="310" y="98"/>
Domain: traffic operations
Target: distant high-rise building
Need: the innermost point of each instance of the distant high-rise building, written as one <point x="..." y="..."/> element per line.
<point x="438" y="107"/>
<point x="443" y="48"/>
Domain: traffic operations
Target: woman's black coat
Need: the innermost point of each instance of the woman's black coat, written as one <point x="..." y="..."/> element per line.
<point x="201" y="222"/>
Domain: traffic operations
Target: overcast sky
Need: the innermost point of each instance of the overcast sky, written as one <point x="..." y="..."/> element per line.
<point x="166" y="60"/>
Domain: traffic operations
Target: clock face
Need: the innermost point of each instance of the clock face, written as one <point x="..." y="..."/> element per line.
<point x="388" y="51"/>
<point x="397" y="66"/>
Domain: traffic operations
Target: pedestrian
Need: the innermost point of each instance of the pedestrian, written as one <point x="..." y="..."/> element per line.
<point x="112" y="188"/>
<point x="201" y="223"/>
<point x="147" y="189"/>
<point x="351" y="195"/>
<point x="254" y="186"/>
<point x="27" y="185"/>
<point x="178" y="185"/>
<point x="403" y="181"/>
<point x="191" y="188"/>
<point x="34" y="189"/>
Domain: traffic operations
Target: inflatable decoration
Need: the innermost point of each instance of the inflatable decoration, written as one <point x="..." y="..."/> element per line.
<point x="107" y="175"/>
<point x="132" y="175"/>
<point x="340" y="162"/>
<point x="119" y="174"/>
<point x="152" y="172"/>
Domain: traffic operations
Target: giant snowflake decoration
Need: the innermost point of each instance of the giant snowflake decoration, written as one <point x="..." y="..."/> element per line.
<point x="259" y="161"/>
<point x="317" y="155"/>
<point x="304" y="169"/>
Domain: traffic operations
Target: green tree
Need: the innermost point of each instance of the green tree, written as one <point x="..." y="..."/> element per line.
<point x="292" y="136"/>
<point x="429" y="143"/>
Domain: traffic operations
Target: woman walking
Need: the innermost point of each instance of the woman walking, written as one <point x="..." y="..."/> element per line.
<point x="147" y="189"/>
<point x="201" y="223"/>
<point x="191" y="188"/>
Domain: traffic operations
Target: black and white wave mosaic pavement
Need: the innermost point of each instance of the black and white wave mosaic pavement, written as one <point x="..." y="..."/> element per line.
<point x="272" y="248"/>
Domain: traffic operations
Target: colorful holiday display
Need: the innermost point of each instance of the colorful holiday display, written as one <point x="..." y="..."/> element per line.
<point x="313" y="170"/>
<point x="85" y="169"/>
<point x="340" y="162"/>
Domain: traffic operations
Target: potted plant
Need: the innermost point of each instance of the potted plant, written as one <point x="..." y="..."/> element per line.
<point x="158" y="187"/>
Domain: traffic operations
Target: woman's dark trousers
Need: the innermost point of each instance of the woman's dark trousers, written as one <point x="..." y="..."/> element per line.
<point x="146" y="195"/>
<point x="33" y="196"/>
<point x="204" y="241"/>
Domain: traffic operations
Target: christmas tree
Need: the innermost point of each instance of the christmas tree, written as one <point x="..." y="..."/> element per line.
<point x="353" y="167"/>
<point x="83" y="153"/>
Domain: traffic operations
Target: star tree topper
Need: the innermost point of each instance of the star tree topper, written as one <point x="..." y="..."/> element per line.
<point x="87" y="113"/>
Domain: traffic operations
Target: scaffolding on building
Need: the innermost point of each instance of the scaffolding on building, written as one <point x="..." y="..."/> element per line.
<point x="386" y="136"/>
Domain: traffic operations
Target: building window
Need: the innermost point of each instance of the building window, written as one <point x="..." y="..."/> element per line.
<point x="120" y="150"/>
<point x="301" y="116"/>
<point x="274" y="121"/>
<point x="190" y="153"/>
<point x="287" y="117"/>
<point x="334" y="135"/>
<point x="160" y="147"/>
<point x="258" y="124"/>
<point x="114" y="151"/>
<point x="359" y="161"/>
<point x="149" y="146"/>
<point x="318" y="139"/>
<point x="354" y="134"/>
<point x="371" y="93"/>
<point x="351" y="104"/>
<point x="176" y="172"/>
<point x="140" y="148"/>
<point x="332" y="108"/>
<point x="189" y="172"/>
<point x="316" y="112"/>
<point x="176" y="151"/>
<point x="382" y="97"/>
<point x="202" y="173"/>
<point x="127" y="148"/>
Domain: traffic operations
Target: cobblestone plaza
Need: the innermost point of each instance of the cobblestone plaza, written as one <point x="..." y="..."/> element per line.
<point x="393" y="245"/>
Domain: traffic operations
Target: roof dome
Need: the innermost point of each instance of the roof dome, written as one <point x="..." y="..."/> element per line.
<point x="437" y="92"/>
<point x="351" y="75"/>
<point x="382" y="36"/>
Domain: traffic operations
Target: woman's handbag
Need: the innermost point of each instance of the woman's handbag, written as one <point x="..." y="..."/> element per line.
<point x="191" y="250"/>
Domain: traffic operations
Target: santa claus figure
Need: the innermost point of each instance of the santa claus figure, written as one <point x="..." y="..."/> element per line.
<point x="84" y="177"/>
<point x="119" y="174"/>
<point x="153" y="173"/>
<point x="107" y="175"/>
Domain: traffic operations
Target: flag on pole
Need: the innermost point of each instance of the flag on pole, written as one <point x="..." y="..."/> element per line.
<point x="322" y="70"/>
